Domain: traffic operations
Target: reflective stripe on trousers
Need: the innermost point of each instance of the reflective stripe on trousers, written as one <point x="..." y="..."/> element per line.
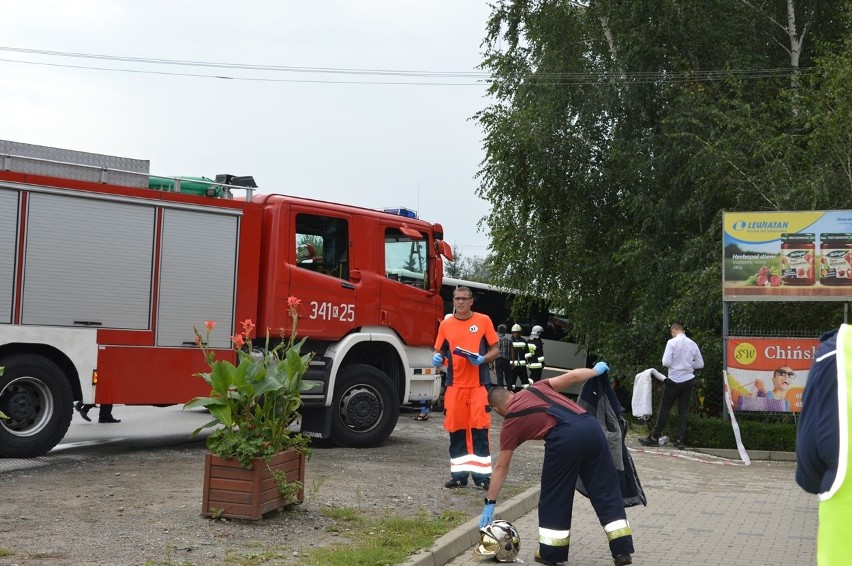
<point x="554" y="538"/>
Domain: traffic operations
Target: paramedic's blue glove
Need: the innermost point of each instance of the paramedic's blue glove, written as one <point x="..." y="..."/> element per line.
<point x="478" y="360"/>
<point x="600" y="368"/>
<point x="438" y="360"/>
<point x="487" y="515"/>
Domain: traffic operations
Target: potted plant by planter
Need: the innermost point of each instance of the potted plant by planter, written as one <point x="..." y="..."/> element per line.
<point x="255" y="463"/>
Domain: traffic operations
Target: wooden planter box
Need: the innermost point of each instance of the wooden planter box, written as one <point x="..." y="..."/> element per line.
<point x="237" y="493"/>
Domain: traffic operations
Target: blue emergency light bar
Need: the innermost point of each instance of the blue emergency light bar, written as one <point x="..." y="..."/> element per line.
<point x="407" y="212"/>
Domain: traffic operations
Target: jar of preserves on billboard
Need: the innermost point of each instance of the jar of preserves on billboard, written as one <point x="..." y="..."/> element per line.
<point x="797" y="259"/>
<point x="835" y="262"/>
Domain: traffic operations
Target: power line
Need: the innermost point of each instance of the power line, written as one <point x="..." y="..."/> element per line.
<point x="238" y="78"/>
<point x="461" y="78"/>
<point x="244" y="66"/>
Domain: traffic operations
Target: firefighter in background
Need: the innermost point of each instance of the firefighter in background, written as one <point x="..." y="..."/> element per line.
<point x="468" y="381"/>
<point x="502" y="366"/>
<point x="536" y="360"/>
<point x="521" y="356"/>
<point x="822" y="464"/>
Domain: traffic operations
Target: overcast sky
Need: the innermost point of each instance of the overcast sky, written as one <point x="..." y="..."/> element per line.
<point x="319" y="135"/>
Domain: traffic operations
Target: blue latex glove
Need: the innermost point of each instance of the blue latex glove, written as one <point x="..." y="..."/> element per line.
<point x="478" y="360"/>
<point x="437" y="359"/>
<point x="600" y="368"/>
<point x="487" y="515"/>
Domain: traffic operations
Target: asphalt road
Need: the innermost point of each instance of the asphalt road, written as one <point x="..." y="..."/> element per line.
<point x="140" y="428"/>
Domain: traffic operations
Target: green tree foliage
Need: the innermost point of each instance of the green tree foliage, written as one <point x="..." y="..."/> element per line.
<point x="620" y="131"/>
<point x="476" y="269"/>
<point x="473" y="268"/>
<point x="454" y="268"/>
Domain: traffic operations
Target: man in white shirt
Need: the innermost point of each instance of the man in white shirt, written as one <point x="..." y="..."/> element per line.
<point x="682" y="357"/>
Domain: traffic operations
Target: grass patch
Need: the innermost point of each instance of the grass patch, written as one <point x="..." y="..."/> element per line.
<point x="253" y="558"/>
<point x="242" y="557"/>
<point x="6" y="552"/>
<point x="345" y="514"/>
<point x="345" y="519"/>
<point x="383" y="541"/>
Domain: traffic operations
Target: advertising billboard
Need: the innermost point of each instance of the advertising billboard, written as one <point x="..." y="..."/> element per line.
<point x="787" y="256"/>
<point x="769" y="374"/>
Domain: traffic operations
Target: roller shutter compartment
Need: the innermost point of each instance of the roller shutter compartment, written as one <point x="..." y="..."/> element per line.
<point x="197" y="277"/>
<point x="88" y="262"/>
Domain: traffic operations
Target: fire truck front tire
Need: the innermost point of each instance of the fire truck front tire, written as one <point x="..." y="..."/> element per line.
<point x="36" y="397"/>
<point x="366" y="407"/>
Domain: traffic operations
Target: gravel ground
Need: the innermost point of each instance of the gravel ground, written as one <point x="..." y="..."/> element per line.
<point x="144" y="507"/>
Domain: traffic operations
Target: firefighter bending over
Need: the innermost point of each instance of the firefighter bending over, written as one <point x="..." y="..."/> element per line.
<point x="574" y="446"/>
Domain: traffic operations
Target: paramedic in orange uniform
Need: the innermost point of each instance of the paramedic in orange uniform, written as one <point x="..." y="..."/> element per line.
<point x="468" y="383"/>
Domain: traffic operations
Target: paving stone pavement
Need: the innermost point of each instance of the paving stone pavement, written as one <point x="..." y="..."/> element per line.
<point x="702" y="510"/>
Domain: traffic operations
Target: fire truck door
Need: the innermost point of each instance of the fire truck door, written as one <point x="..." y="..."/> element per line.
<point x="322" y="277"/>
<point x="407" y="304"/>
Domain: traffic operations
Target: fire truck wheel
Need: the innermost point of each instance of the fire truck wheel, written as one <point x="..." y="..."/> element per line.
<point x="36" y="396"/>
<point x="366" y="407"/>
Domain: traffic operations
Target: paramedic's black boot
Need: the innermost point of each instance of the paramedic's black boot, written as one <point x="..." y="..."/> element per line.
<point x="109" y="420"/>
<point x="622" y="560"/>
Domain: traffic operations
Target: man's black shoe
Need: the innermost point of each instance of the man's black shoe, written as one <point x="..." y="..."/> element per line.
<point x="649" y="441"/>
<point x="622" y="560"/>
<point x="455" y="483"/>
<point x="83" y="410"/>
<point x="109" y="420"/>
<point x="680" y="445"/>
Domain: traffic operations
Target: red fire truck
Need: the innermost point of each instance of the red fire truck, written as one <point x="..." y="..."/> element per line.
<point x="105" y="270"/>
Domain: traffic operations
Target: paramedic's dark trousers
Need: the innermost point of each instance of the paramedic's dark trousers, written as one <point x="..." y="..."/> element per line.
<point x="577" y="447"/>
<point x="463" y="460"/>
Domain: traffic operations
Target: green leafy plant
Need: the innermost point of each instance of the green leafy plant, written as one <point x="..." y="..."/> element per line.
<point x="254" y="402"/>
<point x="288" y="489"/>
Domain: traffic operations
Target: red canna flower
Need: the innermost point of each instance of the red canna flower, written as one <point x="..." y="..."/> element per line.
<point x="209" y="325"/>
<point x="248" y="326"/>
<point x="293" y="304"/>
<point x="238" y="340"/>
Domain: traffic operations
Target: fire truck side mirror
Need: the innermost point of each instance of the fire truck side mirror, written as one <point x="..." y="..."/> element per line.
<point x="444" y="249"/>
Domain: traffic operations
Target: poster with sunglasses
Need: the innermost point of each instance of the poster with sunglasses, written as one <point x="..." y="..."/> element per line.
<point x="769" y="374"/>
